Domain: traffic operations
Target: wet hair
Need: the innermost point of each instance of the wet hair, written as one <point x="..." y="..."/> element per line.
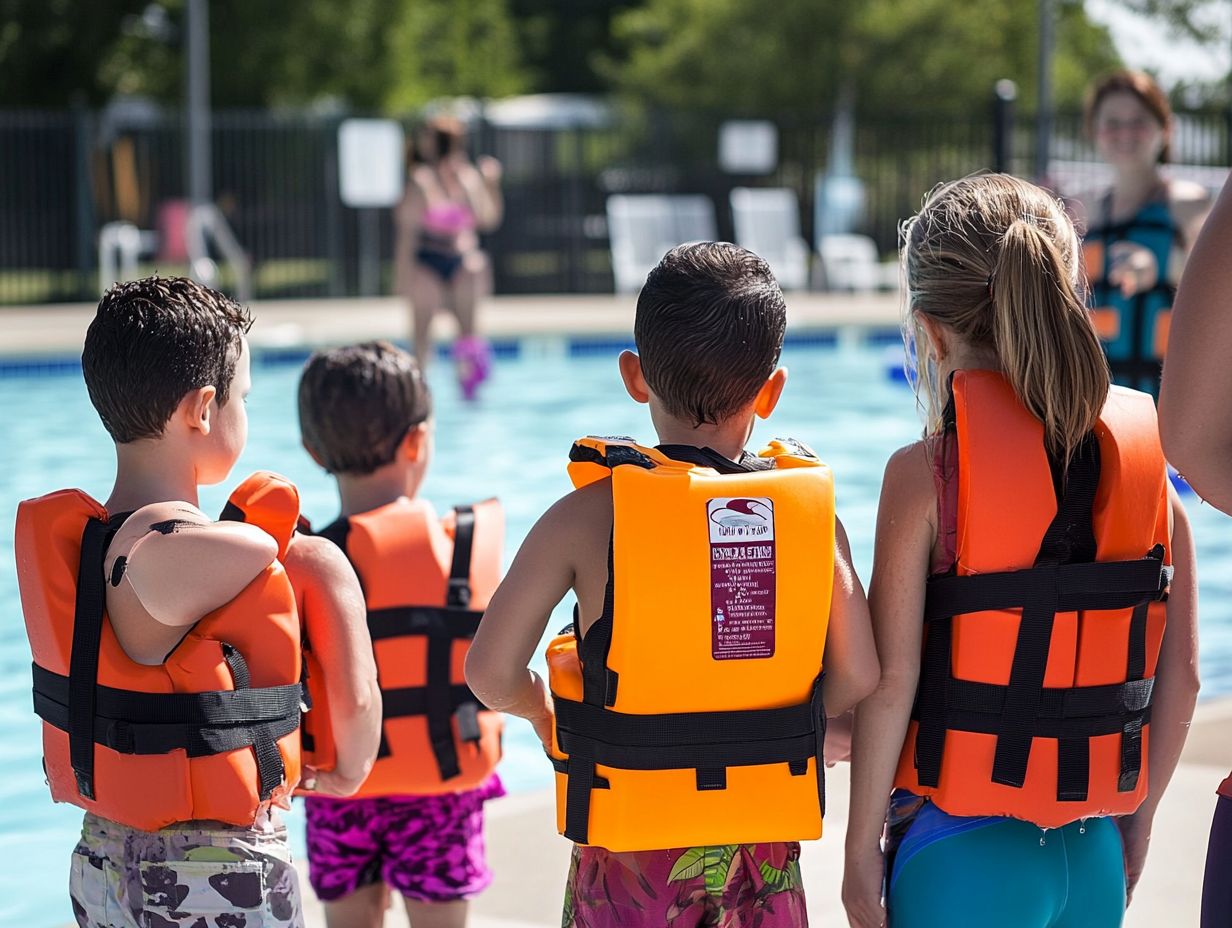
<point x="357" y="403"/>
<point x="995" y="259"/>
<point x="152" y="342"/>
<point x="1144" y="89"/>
<point x="709" y="330"/>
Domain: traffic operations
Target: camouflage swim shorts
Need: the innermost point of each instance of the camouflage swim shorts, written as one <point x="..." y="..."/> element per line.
<point x="191" y="875"/>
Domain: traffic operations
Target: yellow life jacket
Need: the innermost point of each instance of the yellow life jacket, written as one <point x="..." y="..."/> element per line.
<point x="690" y="713"/>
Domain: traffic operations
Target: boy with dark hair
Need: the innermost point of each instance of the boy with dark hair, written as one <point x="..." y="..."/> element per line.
<point x="167" y="646"/>
<point x="416" y="824"/>
<point x="687" y="705"/>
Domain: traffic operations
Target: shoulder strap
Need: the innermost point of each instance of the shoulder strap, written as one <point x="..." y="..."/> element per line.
<point x="90" y="607"/>
<point x="458" y="595"/>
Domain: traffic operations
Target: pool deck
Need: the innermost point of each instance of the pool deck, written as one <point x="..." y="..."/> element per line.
<point x="530" y="860"/>
<point x="57" y="330"/>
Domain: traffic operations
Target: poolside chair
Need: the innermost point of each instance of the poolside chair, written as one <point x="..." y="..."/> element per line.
<point x="851" y="262"/>
<point x="641" y="227"/>
<point x="767" y="221"/>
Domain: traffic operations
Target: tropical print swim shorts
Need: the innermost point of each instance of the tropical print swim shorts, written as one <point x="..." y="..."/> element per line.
<point x="726" y="886"/>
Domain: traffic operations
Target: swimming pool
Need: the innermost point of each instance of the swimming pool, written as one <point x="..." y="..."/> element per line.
<point x="513" y="444"/>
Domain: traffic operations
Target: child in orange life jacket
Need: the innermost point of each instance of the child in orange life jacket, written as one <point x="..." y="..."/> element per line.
<point x="686" y="711"/>
<point x="416" y="824"/>
<point x="1035" y="689"/>
<point x="136" y="605"/>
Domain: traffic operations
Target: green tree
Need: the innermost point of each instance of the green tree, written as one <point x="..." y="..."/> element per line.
<point x="50" y="49"/>
<point x="370" y="54"/>
<point x="794" y="56"/>
<point x="561" y="43"/>
<point x="452" y="47"/>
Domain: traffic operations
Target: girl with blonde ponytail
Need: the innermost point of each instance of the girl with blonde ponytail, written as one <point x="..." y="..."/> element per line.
<point x="1006" y="745"/>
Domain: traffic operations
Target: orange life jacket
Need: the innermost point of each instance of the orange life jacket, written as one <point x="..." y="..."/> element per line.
<point x="690" y="712"/>
<point x="210" y="733"/>
<point x="426" y="583"/>
<point x="1040" y="646"/>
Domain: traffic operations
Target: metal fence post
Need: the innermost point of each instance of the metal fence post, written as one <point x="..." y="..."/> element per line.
<point x="1004" y="94"/>
<point x="83" y="137"/>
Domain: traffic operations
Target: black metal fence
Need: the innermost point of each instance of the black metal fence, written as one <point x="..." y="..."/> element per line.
<point x="64" y="174"/>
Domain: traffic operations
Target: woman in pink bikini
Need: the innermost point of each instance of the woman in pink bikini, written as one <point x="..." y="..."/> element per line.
<point x="448" y="202"/>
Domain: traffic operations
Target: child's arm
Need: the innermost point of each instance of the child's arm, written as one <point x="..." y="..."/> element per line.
<point x="905" y="535"/>
<point x="335" y="621"/>
<point x="1195" y="416"/>
<point x="850" y="657"/>
<point x="182" y="565"/>
<point x="543" y="572"/>
<point x="1174" y="695"/>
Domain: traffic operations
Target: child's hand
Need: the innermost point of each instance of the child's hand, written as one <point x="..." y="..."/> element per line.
<point x="862" y="881"/>
<point x="544" y="720"/>
<point x="1132" y="268"/>
<point x="330" y="782"/>
<point x="838" y="738"/>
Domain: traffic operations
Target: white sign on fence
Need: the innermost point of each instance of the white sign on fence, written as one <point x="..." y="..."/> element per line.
<point x="370" y="165"/>
<point x="748" y="146"/>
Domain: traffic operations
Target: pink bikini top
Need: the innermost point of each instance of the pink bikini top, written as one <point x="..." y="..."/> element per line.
<point x="448" y="219"/>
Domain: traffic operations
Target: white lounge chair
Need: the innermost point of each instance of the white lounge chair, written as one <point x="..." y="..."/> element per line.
<point x="641" y="227"/>
<point x="767" y="221"/>
<point x="851" y="262"/>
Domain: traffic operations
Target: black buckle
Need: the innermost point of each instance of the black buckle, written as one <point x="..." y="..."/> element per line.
<point x="467" y="716"/>
<point x="119" y="736"/>
<point x="459" y="592"/>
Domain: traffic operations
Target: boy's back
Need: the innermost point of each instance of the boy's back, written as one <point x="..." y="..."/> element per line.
<point x="167" y="646"/>
<point x="416" y="824"/>
<point x="709" y="329"/>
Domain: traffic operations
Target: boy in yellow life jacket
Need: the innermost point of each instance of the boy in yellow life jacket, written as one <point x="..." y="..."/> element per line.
<point x="687" y="705"/>
<point x="415" y="826"/>
<point x="167" y="664"/>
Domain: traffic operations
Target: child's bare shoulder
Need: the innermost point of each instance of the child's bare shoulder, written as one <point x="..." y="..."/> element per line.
<point x="908" y="483"/>
<point x="580" y="515"/>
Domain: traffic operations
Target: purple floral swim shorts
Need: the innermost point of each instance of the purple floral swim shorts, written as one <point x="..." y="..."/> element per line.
<point x="429" y="848"/>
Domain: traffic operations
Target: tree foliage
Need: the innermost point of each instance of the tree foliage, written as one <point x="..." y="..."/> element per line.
<point x="786" y="56"/>
<point x="795" y="56"/>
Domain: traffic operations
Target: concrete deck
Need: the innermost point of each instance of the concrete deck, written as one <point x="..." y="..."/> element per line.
<point x="530" y="860"/>
<point x="59" y="329"/>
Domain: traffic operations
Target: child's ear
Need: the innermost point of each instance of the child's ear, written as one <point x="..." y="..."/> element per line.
<point x="771" y="390"/>
<point x="631" y="374"/>
<point x="415" y="442"/>
<point x="938" y="336"/>
<point x="196" y="409"/>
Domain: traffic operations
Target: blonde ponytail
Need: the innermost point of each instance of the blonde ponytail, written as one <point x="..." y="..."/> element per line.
<point x="995" y="259"/>
<point x="1043" y="337"/>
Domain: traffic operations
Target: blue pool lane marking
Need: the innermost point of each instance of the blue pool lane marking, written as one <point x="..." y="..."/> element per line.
<point x="504" y="349"/>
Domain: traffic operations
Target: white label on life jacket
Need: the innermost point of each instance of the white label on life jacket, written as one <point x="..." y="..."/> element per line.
<point x="742" y="578"/>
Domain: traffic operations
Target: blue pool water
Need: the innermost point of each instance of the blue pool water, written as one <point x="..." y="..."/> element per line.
<point x="513" y="444"/>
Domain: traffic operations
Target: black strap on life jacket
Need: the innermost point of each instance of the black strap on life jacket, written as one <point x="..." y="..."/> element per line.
<point x="132" y="722"/>
<point x="441" y="700"/>
<point x="593" y="734"/>
<point x="1065" y="578"/>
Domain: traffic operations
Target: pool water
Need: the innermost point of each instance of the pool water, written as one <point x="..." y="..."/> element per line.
<point x="512" y="444"/>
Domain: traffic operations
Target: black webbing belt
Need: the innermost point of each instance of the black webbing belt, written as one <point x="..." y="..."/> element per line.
<point x="1065" y="578"/>
<point x="708" y="742"/>
<point x="440" y="700"/>
<point x="131" y="722"/>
